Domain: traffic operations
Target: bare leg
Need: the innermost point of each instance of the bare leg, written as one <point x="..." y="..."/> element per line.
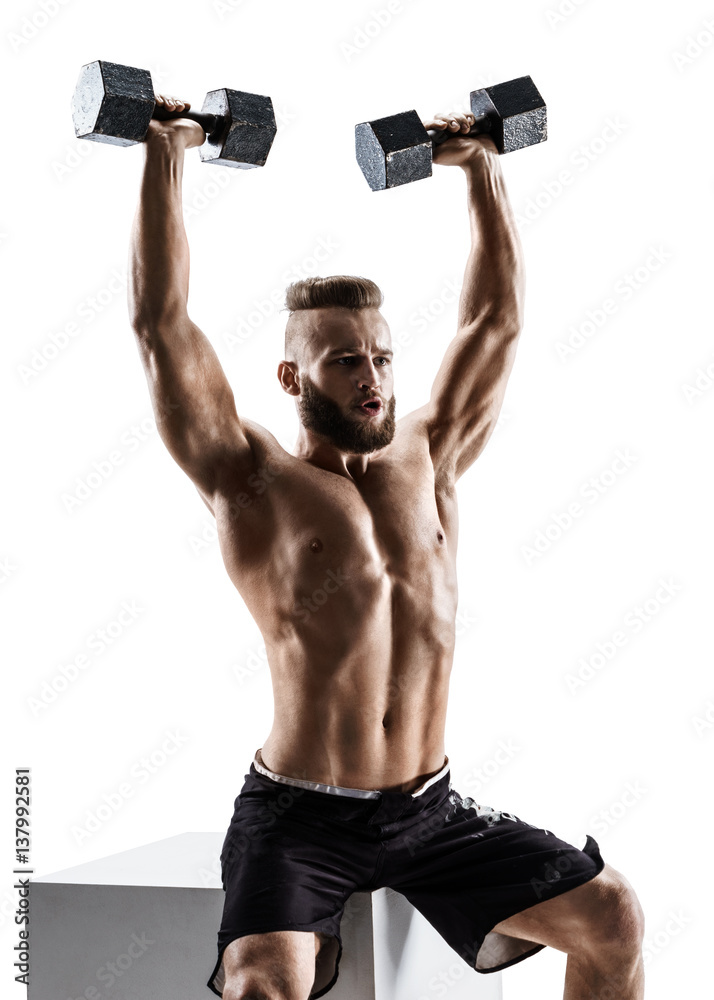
<point x="600" y="926"/>
<point x="274" y="964"/>
<point x="611" y="979"/>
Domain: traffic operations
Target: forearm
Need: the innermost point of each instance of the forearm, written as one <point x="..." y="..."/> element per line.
<point x="159" y="255"/>
<point x="494" y="280"/>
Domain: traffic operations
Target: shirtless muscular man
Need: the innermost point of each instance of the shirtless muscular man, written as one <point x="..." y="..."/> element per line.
<point x="345" y="554"/>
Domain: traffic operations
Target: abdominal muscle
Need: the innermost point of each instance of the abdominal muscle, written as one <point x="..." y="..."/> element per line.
<point x="363" y="724"/>
<point x="354" y="592"/>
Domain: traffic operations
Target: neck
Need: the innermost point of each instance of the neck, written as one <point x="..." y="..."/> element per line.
<point x="318" y="451"/>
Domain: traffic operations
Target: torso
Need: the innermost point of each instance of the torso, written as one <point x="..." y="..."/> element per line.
<point x="353" y="587"/>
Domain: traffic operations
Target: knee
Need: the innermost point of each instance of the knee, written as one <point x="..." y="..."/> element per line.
<point x="619" y="921"/>
<point x="258" y="985"/>
<point x="251" y="992"/>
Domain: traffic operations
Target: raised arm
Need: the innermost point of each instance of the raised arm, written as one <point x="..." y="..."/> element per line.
<point x="470" y="385"/>
<point x="192" y="400"/>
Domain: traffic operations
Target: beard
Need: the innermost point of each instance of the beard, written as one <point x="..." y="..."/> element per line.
<point x="352" y="435"/>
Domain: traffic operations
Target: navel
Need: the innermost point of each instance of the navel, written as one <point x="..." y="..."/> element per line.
<point x="440" y="536"/>
<point x="316" y="545"/>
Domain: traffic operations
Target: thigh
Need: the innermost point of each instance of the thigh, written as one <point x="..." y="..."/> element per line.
<point x="471" y="867"/>
<point x="276" y="962"/>
<point x="288" y="868"/>
<point x="582" y="917"/>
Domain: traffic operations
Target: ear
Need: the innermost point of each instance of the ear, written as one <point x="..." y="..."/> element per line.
<point x="288" y="378"/>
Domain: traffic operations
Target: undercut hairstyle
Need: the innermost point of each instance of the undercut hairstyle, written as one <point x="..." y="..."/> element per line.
<point x="343" y="290"/>
<point x="335" y="290"/>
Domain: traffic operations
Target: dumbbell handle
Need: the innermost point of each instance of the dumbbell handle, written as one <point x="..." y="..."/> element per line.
<point x="209" y="123"/>
<point x="482" y="124"/>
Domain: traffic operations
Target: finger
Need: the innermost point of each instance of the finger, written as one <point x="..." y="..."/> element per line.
<point x="172" y="103"/>
<point x="449" y="121"/>
<point x="463" y="119"/>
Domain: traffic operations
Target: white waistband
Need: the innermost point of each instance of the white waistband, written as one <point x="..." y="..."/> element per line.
<point x="356" y="793"/>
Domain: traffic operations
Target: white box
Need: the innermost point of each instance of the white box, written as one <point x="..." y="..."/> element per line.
<point x="143" y="924"/>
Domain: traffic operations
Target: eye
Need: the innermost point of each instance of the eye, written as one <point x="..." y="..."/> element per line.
<point x="340" y="360"/>
<point x="385" y="360"/>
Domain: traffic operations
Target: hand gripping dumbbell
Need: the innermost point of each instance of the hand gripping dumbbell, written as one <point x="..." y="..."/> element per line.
<point x="398" y="149"/>
<point x="114" y="103"/>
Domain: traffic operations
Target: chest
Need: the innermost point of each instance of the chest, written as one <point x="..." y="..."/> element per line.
<point x="389" y="521"/>
<point x="308" y="521"/>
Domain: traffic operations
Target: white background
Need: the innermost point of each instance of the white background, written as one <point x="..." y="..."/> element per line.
<point x="618" y="198"/>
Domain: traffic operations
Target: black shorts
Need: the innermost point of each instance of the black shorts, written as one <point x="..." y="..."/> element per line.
<point x="295" y="850"/>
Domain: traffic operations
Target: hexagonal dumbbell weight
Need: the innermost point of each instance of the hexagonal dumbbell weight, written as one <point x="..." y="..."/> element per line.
<point x="114" y="103"/>
<point x="398" y="149"/>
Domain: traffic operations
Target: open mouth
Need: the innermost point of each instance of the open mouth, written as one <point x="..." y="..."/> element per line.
<point x="371" y="407"/>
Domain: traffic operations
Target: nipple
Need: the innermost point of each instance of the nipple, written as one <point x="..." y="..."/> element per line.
<point x="316" y="545"/>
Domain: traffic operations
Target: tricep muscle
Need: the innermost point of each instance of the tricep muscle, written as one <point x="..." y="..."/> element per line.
<point x="193" y="402"/>
<point x="468" y="393"/>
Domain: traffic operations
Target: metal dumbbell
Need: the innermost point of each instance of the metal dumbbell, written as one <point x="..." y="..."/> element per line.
<point x="114" y="103"/>
<point x="398" y="149"/>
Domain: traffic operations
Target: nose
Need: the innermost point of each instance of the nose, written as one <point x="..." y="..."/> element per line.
<point x="369" y="377"/>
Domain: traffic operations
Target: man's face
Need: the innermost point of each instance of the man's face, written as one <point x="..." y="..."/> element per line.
<point x="346" y="381"/>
